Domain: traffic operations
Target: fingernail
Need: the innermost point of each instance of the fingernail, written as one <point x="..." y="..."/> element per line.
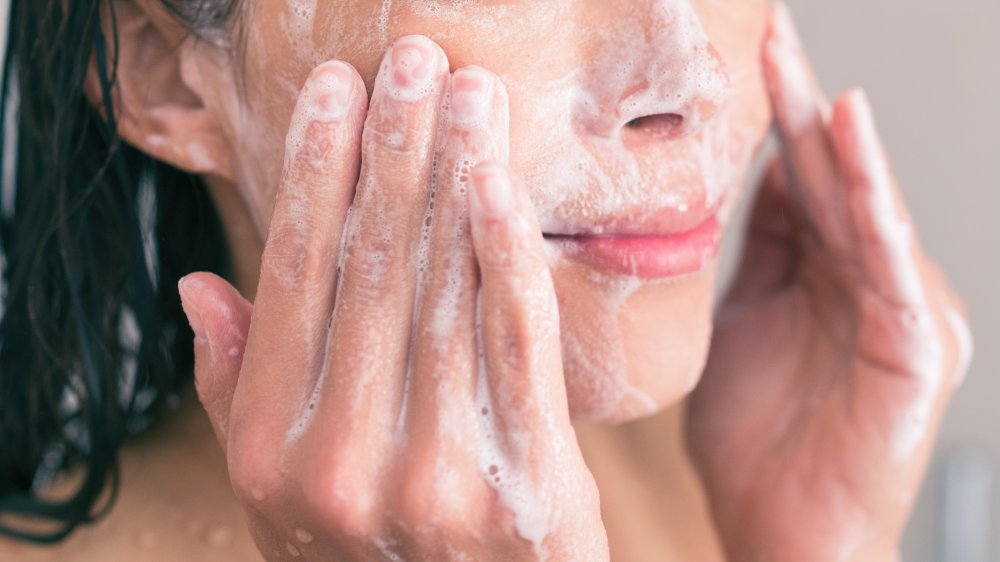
<point x="493" y="193"/>
<point x="414" y="63"/>
<point x="471" y="97"/>
<point x="187" y="287"/>
<point x="331" y="91"/>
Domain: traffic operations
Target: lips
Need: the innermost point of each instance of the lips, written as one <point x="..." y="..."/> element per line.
<point x="663" y="244"/>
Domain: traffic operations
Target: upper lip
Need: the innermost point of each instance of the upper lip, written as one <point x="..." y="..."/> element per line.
<point x="643" y="221"/>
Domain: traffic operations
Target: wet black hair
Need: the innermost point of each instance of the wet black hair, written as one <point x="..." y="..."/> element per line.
<point x="94" y="235"/>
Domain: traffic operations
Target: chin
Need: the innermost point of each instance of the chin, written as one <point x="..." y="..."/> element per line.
<point x="632" y="347"/>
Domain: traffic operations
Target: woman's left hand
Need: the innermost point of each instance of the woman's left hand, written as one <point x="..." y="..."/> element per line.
<point x="835" y="351"/>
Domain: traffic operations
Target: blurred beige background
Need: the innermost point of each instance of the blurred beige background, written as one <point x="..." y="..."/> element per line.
<point x="932" y="70"/>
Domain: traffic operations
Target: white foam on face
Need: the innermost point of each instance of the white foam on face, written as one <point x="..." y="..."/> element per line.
<point x="383" y="20"/>
<point x="297" y="22"/>
<point x="583" y="176"/>
<point x="597" y="356"/>
<point x="579" y="166"/>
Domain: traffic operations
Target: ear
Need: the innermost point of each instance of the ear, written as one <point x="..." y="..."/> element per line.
<point x="163" y="106"/>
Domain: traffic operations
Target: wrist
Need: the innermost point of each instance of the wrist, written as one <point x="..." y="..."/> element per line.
<point x="799" y="547"/>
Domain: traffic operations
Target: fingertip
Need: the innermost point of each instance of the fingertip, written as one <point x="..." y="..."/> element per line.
<point x="204" y="289"/>
<point x="190" y="288"/>
<point x="782" y="25"/>
<point x="860" y="109"/>
<point x="222" y="316"/>
<point x="413" y="68"/>
<point x="215" y="309"/>
<point x="851" y="108"/>
<point x="796" y="99"/>
<point x="478" y="100"/>
<point x="780" y="36"/>
<point x="857" y="142"/>
<point x="329" y="92"/>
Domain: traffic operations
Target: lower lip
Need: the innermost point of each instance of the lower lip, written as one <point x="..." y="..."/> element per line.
<point x="647" y="257"/>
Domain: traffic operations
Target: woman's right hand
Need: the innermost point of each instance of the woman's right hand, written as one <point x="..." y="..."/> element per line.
<point x="398" y="394"/>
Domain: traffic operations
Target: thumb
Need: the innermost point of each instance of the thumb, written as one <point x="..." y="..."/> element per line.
<point x="220" y="319"/>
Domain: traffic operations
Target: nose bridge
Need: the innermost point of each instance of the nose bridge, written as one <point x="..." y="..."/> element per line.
<point x="657" y="59"/>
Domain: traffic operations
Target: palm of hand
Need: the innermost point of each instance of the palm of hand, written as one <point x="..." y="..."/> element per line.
<point x="834" y="352"/>
<point x="810" y="423"/>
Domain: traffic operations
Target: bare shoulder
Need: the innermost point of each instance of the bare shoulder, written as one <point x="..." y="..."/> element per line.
<point x="175" y="503"/>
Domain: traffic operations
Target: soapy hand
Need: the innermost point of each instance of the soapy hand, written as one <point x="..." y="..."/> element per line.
<point x="836" y="350"/>
<point x="396" y="392"/>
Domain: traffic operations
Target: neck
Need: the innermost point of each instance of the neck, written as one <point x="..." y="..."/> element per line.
<point x="652" y="502"/>
<point x="245" y="242"/>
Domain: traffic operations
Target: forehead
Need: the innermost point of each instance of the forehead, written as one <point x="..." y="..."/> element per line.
<point x="311" y="24"/>
<point x="286" y="36"/>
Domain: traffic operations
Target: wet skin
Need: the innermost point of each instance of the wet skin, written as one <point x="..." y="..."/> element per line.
<point x="397" y="414"/>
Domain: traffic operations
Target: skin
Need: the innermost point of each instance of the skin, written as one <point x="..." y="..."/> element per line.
<point x="846" y="416"/>
<point x="279" y="60"/>
<point x="350" y="412"/>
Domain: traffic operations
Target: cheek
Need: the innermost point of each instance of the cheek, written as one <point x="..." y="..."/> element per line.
<point x="631" y="348"/>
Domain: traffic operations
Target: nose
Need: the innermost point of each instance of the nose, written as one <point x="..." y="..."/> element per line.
<point x="657" y="76"/>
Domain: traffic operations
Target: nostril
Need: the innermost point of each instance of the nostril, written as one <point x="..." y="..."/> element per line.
<point x="663" y="125"/>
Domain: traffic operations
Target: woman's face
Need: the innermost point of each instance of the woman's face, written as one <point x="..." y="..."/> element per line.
<point x="626" y="117"/>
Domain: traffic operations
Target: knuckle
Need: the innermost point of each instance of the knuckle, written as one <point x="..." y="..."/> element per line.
<point x="291" y="258"/>
<point x="392" y="143"/>
<point x="516" y="351"/>
<point x="512" y="340"/>
<point x="317" y="156"/>
<point x="496" y="252"/>
<point x="369" y="266"/>
<point x="416" y="502"/>
<point x="427" y="500"/>
<point x="343" y="497"/>
<point x="399" y="172"/>
<point x="252" y="471"/>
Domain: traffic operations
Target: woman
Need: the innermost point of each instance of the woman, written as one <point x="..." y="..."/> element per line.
<point x="461" y="225"/>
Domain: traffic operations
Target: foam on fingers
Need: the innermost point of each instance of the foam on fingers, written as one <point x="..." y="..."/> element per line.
<point x="887" y="242"/>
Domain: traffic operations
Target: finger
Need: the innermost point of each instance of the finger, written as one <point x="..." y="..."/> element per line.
<point x="900" y="332"/>
<point x="800" y="111"/>
<point x="369" y="341"/>
<point x="220" y="318"/>
<point x="523" y="387"/>
<point x="296" y="288"/>
<point x="888" y="246"/>
<point x="443" y="381"/>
